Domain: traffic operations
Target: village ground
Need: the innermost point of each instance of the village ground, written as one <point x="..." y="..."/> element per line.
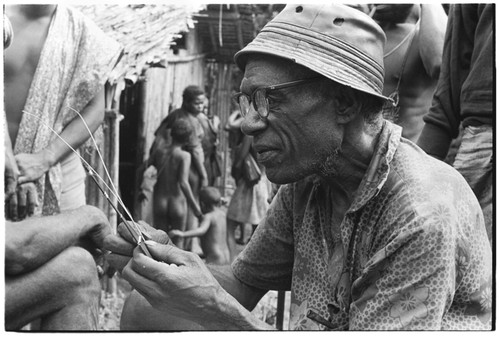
<point x="112" y="304"/>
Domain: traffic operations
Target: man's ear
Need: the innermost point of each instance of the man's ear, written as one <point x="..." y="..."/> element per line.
<point x="346" y="105"/>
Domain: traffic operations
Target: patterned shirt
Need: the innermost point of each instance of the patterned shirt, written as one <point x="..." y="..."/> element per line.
<point x="411" y="252"/>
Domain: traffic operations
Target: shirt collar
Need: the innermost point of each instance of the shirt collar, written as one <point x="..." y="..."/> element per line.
<point x="378" y="170"/>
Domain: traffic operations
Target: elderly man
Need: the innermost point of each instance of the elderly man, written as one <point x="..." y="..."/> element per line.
<point x="367" y="231"/>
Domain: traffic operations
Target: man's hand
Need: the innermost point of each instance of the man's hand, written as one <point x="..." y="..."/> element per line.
<point x="32" y="166"/>
<point x="175" y="232"/>
<point x="22" y="202"/>
<point x="122" y="244"/>
<point x="95" y="230"/>
<point x="11" y="174"/>
<point x="177" y="282"/>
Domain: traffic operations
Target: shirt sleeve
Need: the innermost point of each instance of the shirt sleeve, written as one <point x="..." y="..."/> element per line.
<point x="267" y="260"/>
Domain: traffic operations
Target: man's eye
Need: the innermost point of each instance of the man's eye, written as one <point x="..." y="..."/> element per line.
<point x="273" y="103"/>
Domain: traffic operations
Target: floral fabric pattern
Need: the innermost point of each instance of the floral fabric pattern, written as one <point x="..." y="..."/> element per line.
<point x="409" y="305"/>
<point x="414" y="253"/>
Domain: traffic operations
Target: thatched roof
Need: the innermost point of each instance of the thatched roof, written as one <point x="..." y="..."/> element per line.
<point x="145" y="31"/>
<point x="225" y="29"/>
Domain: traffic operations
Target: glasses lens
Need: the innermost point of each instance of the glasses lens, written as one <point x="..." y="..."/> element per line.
<point x="260" y="102"/>
<point x="244" y="103"/>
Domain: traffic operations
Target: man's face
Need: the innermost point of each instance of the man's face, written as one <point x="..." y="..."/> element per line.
<point x="300" y="131"/>
<point x="197" y="105"/>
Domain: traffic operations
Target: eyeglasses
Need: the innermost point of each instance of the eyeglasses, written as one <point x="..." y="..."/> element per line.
<point x="259" y="97"/>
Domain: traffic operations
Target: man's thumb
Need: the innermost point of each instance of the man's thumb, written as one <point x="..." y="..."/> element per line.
<point x="166" y="253"/>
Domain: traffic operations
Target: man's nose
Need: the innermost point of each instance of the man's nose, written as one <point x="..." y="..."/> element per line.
<point x="253" y="123"/>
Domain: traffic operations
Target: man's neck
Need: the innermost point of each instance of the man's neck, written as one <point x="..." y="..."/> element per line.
<point x="189" y="110"/>
<point x="350" y="165"/>
<point x="34" y="12"/>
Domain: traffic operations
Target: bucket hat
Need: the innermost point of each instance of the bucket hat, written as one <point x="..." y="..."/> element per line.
<point x="336" y="41"/>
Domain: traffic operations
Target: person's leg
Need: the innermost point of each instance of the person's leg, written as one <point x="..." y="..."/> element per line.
<point x="177" y="218"/>
<point x="241" y="239"/>
<point x="64" y="293"/>
<point x="254" y="227"/>
<point x="231" y="240"/>
<point x="160" y="211"/>
<point x="191" y="221"/>
<point x="139" y="315"/>
<point x="198" y="161"/>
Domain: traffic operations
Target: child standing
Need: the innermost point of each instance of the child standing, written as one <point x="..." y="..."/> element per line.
<point x="212" y="229"/>
<point x="172" y="192"/>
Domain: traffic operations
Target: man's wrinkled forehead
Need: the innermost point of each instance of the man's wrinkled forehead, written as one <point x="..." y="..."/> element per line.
<point x="263" y="70"/>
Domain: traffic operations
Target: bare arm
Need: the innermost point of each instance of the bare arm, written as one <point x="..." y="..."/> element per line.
<point x="234" y="121"/>
<point x="433" y="21"/>
<point x="199" y="231"/>
<point x="184" y="184"/>
<point x="32" y="242"/>
<point x="33" y="166"/>
<point x="244" y="150"/>
<point x="246" y="295"/>
<point x="183" y="285"/>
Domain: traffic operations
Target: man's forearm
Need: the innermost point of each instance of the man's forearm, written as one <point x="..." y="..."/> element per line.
<point x="76" y="133"/>
<point x="34" y="241"/>
<point x="246" y="295"/>
<point x="233" y="316"/>
<point x="236" y="305"/>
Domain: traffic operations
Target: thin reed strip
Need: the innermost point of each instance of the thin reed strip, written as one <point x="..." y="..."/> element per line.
<point x="89" y="167"/>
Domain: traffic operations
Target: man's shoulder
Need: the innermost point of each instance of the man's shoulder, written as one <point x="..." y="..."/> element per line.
<point x="424" y="179"/>
<point x="176" y="113"/>
<point x="410" y="159"/>
<point x="217" y="217"/>
<point x="172" y="117"/>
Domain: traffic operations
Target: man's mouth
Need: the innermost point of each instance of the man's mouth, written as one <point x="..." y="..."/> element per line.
<point x="265" y="154"/>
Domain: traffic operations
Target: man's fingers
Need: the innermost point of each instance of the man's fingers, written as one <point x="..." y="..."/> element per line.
<point x="169" y="254"/>
<point x="32" y="200"/>
<point x="142" y="284"/>
<point x="117" y="261"/>
<point x="125" y="233"/>
<point x="13" y="207"/>
<point x="118" y="245"/>
<point x="22" y="179"/>
<point x="10" y="187"/>
<point x="21" y="203"/>
<point x="149" y="268"/>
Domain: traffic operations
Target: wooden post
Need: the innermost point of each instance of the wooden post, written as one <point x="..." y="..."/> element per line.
<point x="112" y="141"/>
<point x="280" y="310"/>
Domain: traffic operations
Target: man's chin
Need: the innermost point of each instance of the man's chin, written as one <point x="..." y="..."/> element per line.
<point x="282" y="176"/>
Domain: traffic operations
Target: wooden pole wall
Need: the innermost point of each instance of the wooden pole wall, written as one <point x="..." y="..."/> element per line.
<point x="220" y="76"/>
